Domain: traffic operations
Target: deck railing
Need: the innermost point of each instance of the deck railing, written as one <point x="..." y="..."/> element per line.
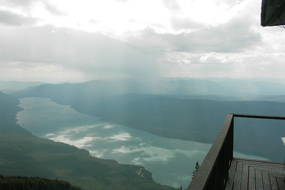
<point x="213" y="172"/>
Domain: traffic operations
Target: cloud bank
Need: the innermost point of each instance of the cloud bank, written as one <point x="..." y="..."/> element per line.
<point x="67" y="40"/>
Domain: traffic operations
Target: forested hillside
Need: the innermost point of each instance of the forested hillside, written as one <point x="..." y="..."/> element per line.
<point x="29" y="183"/>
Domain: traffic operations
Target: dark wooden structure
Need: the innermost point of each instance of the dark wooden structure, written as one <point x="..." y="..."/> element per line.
<point x="220" y="170"/>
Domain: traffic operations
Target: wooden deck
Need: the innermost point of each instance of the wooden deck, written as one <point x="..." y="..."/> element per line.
<point x="255" y="175"/>
<point x="220" y="170"/>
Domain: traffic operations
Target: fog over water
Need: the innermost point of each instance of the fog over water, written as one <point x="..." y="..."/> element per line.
<point x="171" y="161"/>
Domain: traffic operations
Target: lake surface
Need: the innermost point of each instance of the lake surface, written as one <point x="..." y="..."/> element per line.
<point x="171" y="161"/>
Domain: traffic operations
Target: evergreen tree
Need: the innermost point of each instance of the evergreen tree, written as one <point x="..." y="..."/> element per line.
<point x="195" y="169"/>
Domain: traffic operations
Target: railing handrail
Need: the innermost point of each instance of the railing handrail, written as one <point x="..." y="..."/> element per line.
<point x="259" y="116"/>
<point x="213" y="171"/>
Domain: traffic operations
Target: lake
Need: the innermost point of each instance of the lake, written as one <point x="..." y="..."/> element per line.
<point x="171" y="161"/>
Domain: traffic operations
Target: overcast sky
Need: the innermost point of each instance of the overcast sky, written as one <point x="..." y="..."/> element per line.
<point x="72" y="40"/>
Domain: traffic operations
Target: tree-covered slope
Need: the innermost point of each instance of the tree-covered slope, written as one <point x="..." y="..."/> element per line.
<point x="23" y="154"/>
<point x="33" y="183"/>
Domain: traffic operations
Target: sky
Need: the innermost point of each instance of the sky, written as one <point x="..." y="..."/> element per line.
<point x="72" y="40"/>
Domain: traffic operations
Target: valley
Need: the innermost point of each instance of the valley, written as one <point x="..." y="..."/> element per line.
<point x="169" y="159"/>
<point x="162" y="131"/>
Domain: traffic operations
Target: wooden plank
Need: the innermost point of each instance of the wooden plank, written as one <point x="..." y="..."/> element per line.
<point x="280" y="182"/>
<point x="244" y="178"/>
<point x="262" y="175"/>
<point x="237" y="180"/>
<point x="275" y="169"/>
<point x="251" y="178"/>
<point x="258" y="180"/>
<point x="230" y="181"/>
<point x="261" y="163"/>
<point x="266" y="182"/>
<point x="273" y="182"/>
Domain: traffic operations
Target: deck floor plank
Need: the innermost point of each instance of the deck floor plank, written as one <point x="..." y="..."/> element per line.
<point x="251" y="179"/>
<point x="273" y="182"/>
<point x="258" y="180"/>
<point x="281" y="184"/>
<point x="238" y="175"/>
<point x="265" y="179"/>
<point x="244" y="177"/>
<point x="230" y="181"/>
<point x="255" y="175"/>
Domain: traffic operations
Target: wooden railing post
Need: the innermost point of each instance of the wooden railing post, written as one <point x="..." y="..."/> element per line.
<point x="214" y="169"/>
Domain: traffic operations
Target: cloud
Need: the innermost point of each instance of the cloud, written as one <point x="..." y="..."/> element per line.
<point x="79" y="129"/>
<point x="231" y="37"/>
<point x="80" y="143"/>
<point x="156" y="154"/>
<point x="20" y="3"/>
<point x="126" y="150"/>
<point x="123" y="136"/>
<point x="184" y="23"/>
<point x="171" y="5"/>
<point x="49" y="135"/>
<point x="54" y="10"/>
<point x="121" y="0"/>
<point x="13" y="19"/>
<point x="68" y="136"/>
<point x="227" y="33"/>
<point x="213" y="58"/>
<point x="149" y="41"/>
<point x="108" y="127"/>
<point x="63" y="52"/>
<point x="89" y="53"/>
<point x="147" y="153"/>
<point x="231" y="34"/>
<point x="220" y="39"/>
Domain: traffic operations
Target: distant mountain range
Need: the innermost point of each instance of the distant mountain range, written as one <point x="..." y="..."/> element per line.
<point x="14" y="86"/>
<point x="233" y="88"/>
<point x="183" y="109"/>
<point x="23" y="154"/>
